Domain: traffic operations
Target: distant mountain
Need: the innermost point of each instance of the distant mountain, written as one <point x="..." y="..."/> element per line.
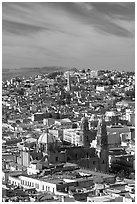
<point x="73" y="69"/>
<point x="28" y="71"/>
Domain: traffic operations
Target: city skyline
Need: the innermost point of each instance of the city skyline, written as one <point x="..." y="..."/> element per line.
<point x="84" y="35"/>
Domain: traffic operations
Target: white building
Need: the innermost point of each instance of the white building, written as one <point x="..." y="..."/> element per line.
<point x="93" y="74"/>
<point x="100" y="88"/>
<point x="73" y="136"/>
<point x="64" y="123"/>
<point x="34" y="168"/>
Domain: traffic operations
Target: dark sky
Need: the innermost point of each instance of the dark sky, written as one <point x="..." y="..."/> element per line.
<point x="86" y="35"/>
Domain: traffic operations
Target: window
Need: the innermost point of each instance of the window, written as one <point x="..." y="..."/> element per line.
<point x="94" y="162"/>
<point x="38" y="186"/>
<point x="48" y="188"/>
<point x="103" y="162"/>
<point x="53" y="190"/>
<point x="56" y="158"/>
<point x="43" y="187"/>
<point x="32" y="184"/>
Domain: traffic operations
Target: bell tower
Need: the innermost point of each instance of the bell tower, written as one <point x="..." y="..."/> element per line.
<point x="86" y="132"/>
<point x="102" y="145"/>
<point x="68" y="83"/>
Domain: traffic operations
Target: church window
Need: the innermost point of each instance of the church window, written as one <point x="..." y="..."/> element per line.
<point x="103" y="162"/>
<point x="68" y="159"/>
<point x="94" y="162"/>
<point x="56" y="158"/>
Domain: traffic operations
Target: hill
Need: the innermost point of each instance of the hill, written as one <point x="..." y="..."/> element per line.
<point x="27" y="72"/>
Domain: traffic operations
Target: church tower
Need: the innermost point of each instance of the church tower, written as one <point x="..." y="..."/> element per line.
<point x="102" y="146"/>
<point x="68" y="83"/>
<point x="86" y="132"/>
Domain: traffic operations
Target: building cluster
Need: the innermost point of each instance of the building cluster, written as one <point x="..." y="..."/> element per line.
<point x="69" y="137"/>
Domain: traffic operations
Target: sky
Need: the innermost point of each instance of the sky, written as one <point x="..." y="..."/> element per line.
<point x="95" y="35"/>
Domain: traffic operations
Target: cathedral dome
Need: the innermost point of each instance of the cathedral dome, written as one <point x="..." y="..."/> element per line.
<point x="46" y="138"/>
<point x="84" y="119"/>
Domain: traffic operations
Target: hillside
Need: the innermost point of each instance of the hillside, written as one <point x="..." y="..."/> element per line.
<point x="10" y="73"/>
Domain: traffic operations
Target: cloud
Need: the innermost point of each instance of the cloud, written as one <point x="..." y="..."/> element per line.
<point x="123" y="10"/>
<point x="67" y="33"/>
<point x="49" y="16"/>
<point x="21" y="28"/>
<point x="102" y="16"/>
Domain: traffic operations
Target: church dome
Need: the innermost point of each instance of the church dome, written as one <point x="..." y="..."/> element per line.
<point x="46" y="138"/>
<point x="83" y="119"/>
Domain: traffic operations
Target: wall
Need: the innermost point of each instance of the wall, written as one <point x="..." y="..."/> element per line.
<point x="85" y="183"/>
<point x="113" y="139"/>
<point x="57" y="157"/>
<point x="38" y="184"/>
<point x="76" y="153"/>
<point x="14" y="180"/>
<point x="26" y="158"/>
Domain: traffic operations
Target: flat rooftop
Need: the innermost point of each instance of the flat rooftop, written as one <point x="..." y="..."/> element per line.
<point x="69" y="176"/>
<point x="105" y="198"/>
<point x="94" y="173"/>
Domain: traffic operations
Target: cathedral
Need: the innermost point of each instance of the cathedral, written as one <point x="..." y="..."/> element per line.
<point x="92" y="155"/>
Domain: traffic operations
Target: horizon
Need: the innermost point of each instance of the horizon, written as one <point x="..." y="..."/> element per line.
<point x="84" y="35"/>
